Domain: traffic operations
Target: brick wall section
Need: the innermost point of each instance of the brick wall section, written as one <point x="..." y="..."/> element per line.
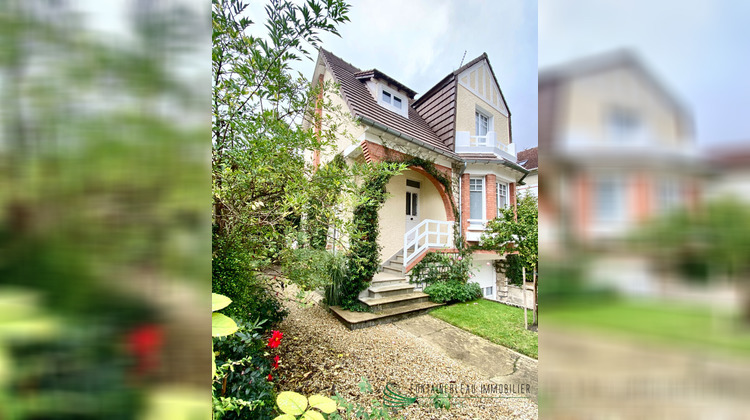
<point x="490" y="183"/>
<point x="465" y="205"/>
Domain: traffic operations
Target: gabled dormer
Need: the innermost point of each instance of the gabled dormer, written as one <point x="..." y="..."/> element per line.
<point x="388" y="93"/>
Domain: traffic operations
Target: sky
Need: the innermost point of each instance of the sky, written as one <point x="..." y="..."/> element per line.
<point x="418" y="42"/>
<point x="700" y="50"/>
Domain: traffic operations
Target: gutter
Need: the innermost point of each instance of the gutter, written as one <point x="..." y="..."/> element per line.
<point x="406" y="137"/>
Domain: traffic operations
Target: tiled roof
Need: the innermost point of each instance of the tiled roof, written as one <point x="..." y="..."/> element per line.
<point x="530" y="156"/>
<point x="363" y="104"/>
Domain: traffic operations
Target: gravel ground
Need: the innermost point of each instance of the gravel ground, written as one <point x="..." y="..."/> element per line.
<point x="320" y="355"/>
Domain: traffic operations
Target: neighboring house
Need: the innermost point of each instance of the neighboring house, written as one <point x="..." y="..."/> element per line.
<point x="617" y="148"/>
<point x="463" y="125"/>
<point x="529" y="159"/>
<point x="731" y="172"/>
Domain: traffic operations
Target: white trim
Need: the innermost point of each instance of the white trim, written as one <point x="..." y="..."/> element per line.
<point x="502" y="106"/>
<point x="497" y="195"/>
<point x="403" y="111"/>
<point x="484" y="196"/>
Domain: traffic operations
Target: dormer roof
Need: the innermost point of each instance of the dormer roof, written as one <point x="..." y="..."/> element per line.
<point x="377" y="74"/>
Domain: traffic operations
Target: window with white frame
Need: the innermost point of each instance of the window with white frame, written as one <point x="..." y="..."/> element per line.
<point x="502" y="196"/>
<point x="392" y="100"/>
<point x="623" y="125"/>
<point x="610" y="199"/>
<point x="476" y="198"/>
<point x="669" y="194"/>
<point x="482" y="124"/>
<point x="488" y="291"/>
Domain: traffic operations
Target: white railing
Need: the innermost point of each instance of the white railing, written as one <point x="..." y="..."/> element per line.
<point x="489" y="143"/>
<point x="427" y="234"/>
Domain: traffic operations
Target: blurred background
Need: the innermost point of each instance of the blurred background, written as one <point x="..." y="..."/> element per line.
<point x="644" y="209"/>
<point x="104" y="222"/>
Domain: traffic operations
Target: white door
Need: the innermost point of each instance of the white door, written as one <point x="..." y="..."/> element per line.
<point x="412" y="205"/>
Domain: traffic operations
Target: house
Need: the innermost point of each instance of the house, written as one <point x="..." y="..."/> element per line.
<point x="529" y="159"/>
<point x="731" y="172"/>
<point x="463" y="125"/>
<point x="618" y="150"/>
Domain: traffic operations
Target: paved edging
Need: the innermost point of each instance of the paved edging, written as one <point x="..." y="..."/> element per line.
<point x="498" y="364"/>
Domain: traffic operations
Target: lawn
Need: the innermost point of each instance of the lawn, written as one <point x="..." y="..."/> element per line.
<point x="663" y="322"/>
<point x="494" y="321"/>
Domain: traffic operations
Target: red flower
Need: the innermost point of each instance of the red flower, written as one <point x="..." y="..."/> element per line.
<point x="276" y="362"/>
<point x="275" y="339"/>
<point x="270" y="377"/>
<point x="144" y="344"/>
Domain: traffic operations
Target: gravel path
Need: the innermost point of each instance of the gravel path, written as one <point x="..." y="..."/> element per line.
<point x="320" y="355"/>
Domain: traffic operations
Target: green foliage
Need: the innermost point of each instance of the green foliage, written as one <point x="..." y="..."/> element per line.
<point x="441" y="267"/>
<point x="261" y="122"/>
<point x="310" y="268"/>
<point x="364" y="385"/>
<point x="251" y="296"/>
<point x="327" y="184"/>
<point x="337" y="273"/>
<point x="498" y="323"/>
<point x="453" y="291"/>
<point x="293" y="405"/>
<point x="512" y="266"/>
<point x="364" y="251"/>
<point x="376" y="410"/>
<point x="510" y="232"/>
<point x="240" y="386"/>
<point x="441" y="400"/>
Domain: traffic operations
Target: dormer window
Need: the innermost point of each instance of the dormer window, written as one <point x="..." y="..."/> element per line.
<point x="392" y="100"/>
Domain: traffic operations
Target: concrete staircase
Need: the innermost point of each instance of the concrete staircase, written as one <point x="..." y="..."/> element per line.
<point x="390" y="297"/>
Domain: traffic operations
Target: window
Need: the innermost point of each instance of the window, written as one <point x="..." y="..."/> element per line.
<point x="623" y="125"/>
<point x="411" y="203"/>
<point x="392" y="100"/>
<point x="482" y="124"/>
<point x="476" y="198"/>
<point x="669" y="194"/>
<point x="610" y="199"/>
<point x="488" y="291"/>
<point x="502" y="196"/>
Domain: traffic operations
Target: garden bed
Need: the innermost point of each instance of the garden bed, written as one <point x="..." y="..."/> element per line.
<point x="320" y="355"/>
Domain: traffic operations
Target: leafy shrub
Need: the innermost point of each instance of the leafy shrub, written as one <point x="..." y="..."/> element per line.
<point x="512" y="267"/>
<point x="441" y="267"/>
<point x="242" y="388"/>
<point x="308" y="268"/>
<point x="232" y="276"/>
<point x="453" y="291"/>
<point x="337" y="276"/>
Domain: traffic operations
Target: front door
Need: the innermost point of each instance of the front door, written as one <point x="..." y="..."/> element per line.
<point x="412" y="204"/>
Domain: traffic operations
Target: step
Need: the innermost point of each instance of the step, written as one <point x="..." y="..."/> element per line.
<point x="392" y="270"/>
<point x="381" y="304"/>
<point x="387" y="279"/>
<point x="381" y="291"/>
<point x="357" y="320"/>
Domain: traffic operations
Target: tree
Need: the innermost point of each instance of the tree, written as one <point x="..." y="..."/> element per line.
<point x="516" y="230"/>
<point x="262" y="122"/>
<point x="712" y="241"/>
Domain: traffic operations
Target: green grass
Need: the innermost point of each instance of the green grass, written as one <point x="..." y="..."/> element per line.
<point x="494" y="321"/>
<point x="666" y="323"/>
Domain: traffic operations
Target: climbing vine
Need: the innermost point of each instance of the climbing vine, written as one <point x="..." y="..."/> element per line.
<point x="364" y="251"/>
